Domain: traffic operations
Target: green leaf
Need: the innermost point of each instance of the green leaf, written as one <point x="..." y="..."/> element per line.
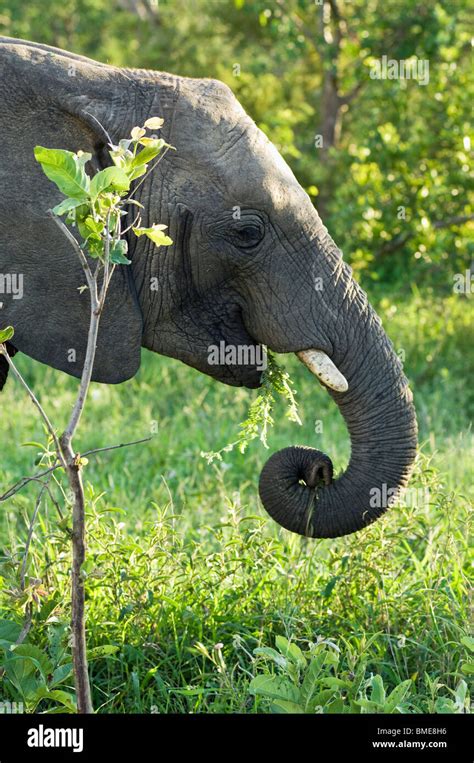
<point x="469" y="642"/>
<point x="112" y="178"/>
<point x="65" y="699"/>
<point x="148" y="153"/>
<point x="67" y="205"/>
<point x="155" y="234"/>
<point x="461" y="693"/>
<point x="378" y="691"/>
<point x="117" y="253"/>
<point x="95" y="226"/>
<point x="272" y="654"/>
<point x="95" y="248"/>
<point x="275" y="687"/>
<point x="61" y="674"/>
<point x="330" y="586"/>
<point x="467" y="668"/>
<point x="397" y="696"/>
<point x="337" y="706"/>
<point x="65" y="169"/>
<point x="335" y="683"/>
<point x="291" y="651"/>
<point x="21" y="673"/>
<point x="311" y="681"/>
<point x="368" y="705"/>
<point x="5" y="336"/>
<point x="39" y="658"/>
<point x="286" y="706"/>
<point x="102" y="651"/>
<point x="138" y="172"/>
<point x="9" y="632"/>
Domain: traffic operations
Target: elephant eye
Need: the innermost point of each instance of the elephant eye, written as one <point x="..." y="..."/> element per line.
<point x="248" y="235"/>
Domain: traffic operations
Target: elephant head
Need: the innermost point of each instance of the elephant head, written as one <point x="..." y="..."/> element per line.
<point x="251" y="265"/>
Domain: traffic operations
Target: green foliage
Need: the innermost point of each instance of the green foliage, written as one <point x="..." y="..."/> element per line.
<point x="275" y="381"/>
<point x="395" y="190"/>
<point x="66" y="170"/>
<point x="182" y="619"/>
<point x="6" y="334"/>
<point x="96" y="206"/>
<point x="155" y="234"/>
<point x="189" y="577"/>
<point x="313" y="681"/>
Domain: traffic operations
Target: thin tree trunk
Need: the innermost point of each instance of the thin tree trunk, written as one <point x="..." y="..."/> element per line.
<point x="78" y="620"/>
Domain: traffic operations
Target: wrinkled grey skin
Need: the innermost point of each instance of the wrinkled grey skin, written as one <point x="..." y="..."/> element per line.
<point x="244" y="281"/>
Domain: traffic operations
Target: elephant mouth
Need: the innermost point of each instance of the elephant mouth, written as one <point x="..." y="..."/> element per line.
<point x="244" y="364"/>
<point x="236" y="364"/>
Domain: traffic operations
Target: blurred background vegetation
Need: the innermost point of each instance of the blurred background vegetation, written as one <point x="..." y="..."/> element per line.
<point x="391" y="179"/>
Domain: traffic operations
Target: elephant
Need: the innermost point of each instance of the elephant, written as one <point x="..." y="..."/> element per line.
<point x="251" y="265"/>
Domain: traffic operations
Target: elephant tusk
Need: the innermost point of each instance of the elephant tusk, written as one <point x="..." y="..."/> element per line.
<point x="322" y="366"/>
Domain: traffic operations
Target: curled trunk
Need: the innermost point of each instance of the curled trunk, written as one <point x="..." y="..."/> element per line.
<point x="296" y="485"/>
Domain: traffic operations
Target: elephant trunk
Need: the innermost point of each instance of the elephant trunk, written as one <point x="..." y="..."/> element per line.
<point x="296" y="485"/>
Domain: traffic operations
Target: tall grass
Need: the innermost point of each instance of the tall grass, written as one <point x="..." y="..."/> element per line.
<point x="186" y="575"/>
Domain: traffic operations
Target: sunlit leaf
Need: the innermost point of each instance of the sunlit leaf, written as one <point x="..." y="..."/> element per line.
<point x="65" y="170"/>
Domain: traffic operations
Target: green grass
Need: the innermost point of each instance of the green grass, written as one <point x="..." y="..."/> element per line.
<point x="187" y="576"/>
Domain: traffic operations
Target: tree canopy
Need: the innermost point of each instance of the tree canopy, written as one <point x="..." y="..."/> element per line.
<point x="385" y="160"/>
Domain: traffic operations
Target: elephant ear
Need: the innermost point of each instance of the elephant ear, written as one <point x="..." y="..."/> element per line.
<point x="58" y="101"/>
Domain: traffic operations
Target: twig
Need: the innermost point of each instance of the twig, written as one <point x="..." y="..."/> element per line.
<point x="24" y="481"/>
<point x="37" y="477"/>
<point x="72" y="240"/>
<point x="44" y="486"/>
<point x="116" y="447"/>
<point x="101" y="126"/>
<point x="162" y="156"/>
<point x="33" y="398"/>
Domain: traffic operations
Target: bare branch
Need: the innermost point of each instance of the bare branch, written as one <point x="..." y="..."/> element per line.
<point x="25" y="480"/>
<point x="116" y="447"/>
<point x="75" y="245"/>
<point x="34" y="399"/>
